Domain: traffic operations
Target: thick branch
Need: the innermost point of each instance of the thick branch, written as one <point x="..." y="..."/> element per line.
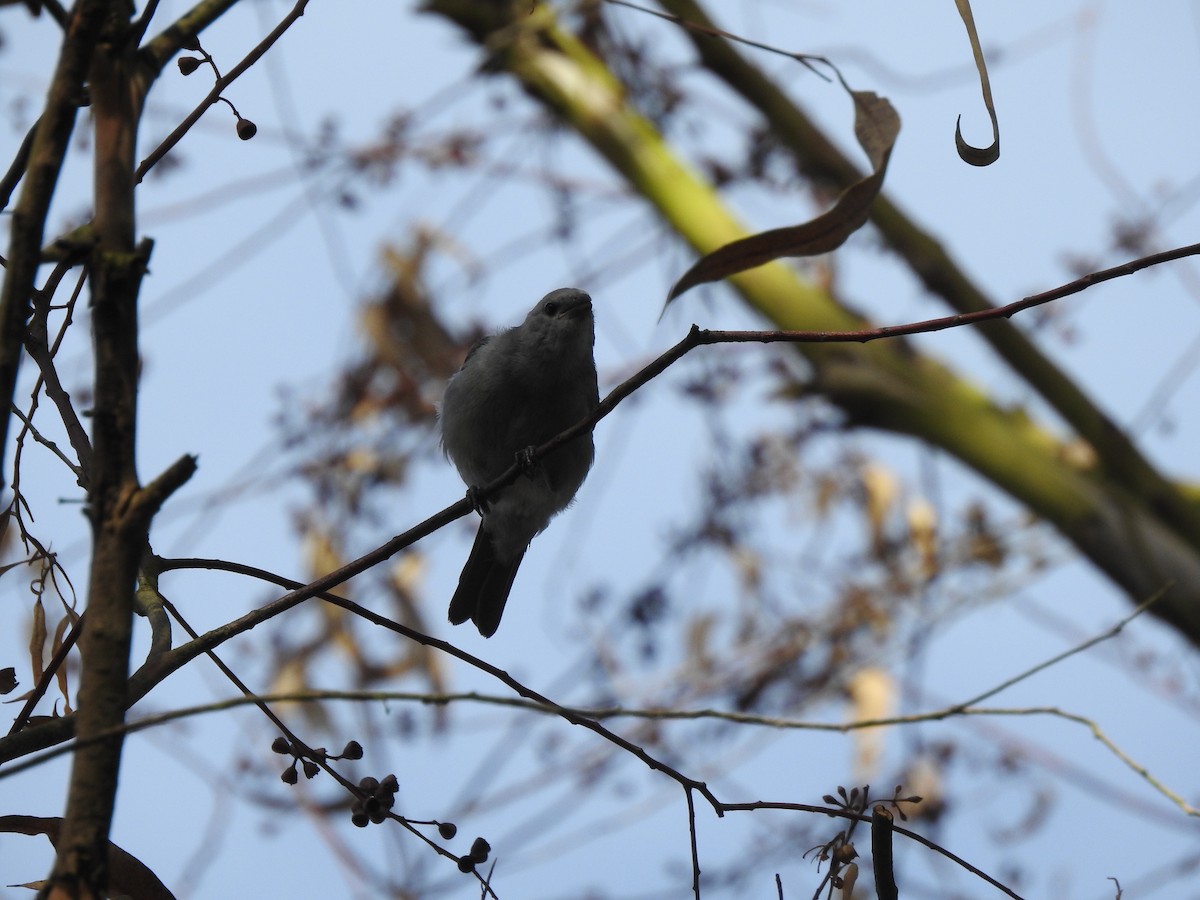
<point x="119" y="521"/>
<point x="932" y="264"/>
<point x="884" y="385"/>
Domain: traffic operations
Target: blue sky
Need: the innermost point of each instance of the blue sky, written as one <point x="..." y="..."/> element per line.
<point x="251" y="303"/>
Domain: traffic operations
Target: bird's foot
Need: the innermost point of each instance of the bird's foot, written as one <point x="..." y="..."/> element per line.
<point x="478" y="502"/>
<point x="526" y="461"/>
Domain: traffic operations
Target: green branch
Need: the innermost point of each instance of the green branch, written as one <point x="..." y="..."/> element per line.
<point x="885" y="385"/>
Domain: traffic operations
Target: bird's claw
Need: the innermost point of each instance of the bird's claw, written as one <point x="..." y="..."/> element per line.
<point x="526" y="461"/>
<point x="478" y="502"/>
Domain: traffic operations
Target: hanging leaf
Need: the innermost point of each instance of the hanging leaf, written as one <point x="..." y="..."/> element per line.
<point x="977" y="156"/>
<point x="876" y="125"/>
<point x="37" y="640"/>
<point x="61" y="675"/>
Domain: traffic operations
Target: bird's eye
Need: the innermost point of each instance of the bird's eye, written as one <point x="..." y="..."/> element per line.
<point x="551" y="309"/>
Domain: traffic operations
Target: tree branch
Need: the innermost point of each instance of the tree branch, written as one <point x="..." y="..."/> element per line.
<point x="119" y="522"/>
<point x="215" y="94"/>
<point x="157" y="669"/>
<point x="941" y="275"/>
<point x="1139" y="537"/>
<point x="27" y="231"/>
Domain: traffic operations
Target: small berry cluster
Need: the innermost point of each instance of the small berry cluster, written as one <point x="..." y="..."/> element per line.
<point x="374" y="799"/>
<point x="479" y="853"/>
<point x="378" y="797"/>
<point x="310" y="760"/>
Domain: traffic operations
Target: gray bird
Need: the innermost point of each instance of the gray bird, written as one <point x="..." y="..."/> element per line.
<point x="515" y="391"/>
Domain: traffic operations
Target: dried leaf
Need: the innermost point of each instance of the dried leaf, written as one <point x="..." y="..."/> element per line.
<point x="68" y="608"/>
<point x="128" y="876"/>
<point x="977" y="156"/>
<point x="849" y="879"/>
<point x="922" y="533"/>
<point x="8" y="680"/>
<point x="322" y="551"/>
<point x="409" y="572"/>
<point x="873" y="696"/>
<point x="61" y="674"/>
<point x="749" y="566"/>
<point x="37" y="641"/>
<point x="876" y="125"/>
<point x="881" y="488"/>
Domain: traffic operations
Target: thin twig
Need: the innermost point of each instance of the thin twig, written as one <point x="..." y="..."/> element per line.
<point x="307" y="591"/>
<point x="695" y="846"/>
<point x="57" y="12"/>
<point x="292" y="737"/>
<point x="699" y="337"/>
<point x="48" y="675"/>
<point x="37" y="345"/>
<point x="805" y="59"/>
<point x="47" y="443"/>
<point x="1078" y="648"/>
<point x="213" y="95"/>
<point x="17" y="168"/>
<point x="143" y="22"/>
<point x="843" y="813"/>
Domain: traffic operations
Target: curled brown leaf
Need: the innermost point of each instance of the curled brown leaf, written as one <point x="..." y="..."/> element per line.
<point x="876" y="125"/>
<point x="977" y="156"/>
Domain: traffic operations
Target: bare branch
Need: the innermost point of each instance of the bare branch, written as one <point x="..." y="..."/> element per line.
<point x="37" y="344"/>
<point x="49" y="149"/>
<point x="215" y="94"/>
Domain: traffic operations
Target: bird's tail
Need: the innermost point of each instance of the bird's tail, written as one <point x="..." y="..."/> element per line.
<point x="483" y="586"/>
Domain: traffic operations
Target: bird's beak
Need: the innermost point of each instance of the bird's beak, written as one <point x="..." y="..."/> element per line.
<point x="575" y="308"/>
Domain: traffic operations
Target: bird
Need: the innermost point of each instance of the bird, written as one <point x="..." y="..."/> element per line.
<point x="516" y="390"/>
